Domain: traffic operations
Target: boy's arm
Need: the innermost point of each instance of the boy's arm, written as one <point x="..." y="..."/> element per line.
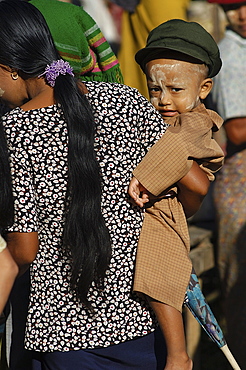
<point x="165" y="163"/>
<point x="192" y="189"/>
<point x="137" y="192"/>
<point x="170" y="159"/>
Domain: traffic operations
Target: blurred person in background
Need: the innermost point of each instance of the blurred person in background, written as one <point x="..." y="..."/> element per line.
<point x="229" y="97"/>
<point x="99" y="11"/>
<point x="139" y="18"/>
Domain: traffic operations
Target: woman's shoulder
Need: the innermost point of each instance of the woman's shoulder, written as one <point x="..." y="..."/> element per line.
<point x="21" y="123"/>
<point x="119" y="97"/>
<point x="112" y="89"/>
<point x="19" y="116"/>
<point x="13" y="117"/>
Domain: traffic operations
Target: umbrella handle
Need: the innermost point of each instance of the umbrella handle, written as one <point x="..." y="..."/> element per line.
<point x="230" y="357"/>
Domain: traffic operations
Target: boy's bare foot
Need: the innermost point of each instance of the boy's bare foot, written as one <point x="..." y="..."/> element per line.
<point x="179" y="363"/>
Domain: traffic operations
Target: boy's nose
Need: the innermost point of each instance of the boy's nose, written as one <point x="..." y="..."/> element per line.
<point x="165" y="99"/>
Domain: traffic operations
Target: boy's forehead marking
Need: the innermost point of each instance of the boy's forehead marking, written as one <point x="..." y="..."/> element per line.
<point x="158" y="70"/>
<point x="172" y="63"/>
<point x="157" y="66"/>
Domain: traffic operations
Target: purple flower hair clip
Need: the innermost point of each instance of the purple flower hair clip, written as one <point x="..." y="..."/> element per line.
<point x="53" y="70"/>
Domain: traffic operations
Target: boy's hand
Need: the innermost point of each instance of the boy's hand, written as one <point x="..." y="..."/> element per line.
<point x="138" y="193"/>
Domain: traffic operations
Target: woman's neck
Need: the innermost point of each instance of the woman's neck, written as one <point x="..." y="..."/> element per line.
<point x="41" y="95"/>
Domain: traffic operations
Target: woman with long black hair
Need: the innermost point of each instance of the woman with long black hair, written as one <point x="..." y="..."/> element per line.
<point x="72" y="149"/>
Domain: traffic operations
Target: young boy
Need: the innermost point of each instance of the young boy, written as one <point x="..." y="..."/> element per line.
<point x="179" y="60"/>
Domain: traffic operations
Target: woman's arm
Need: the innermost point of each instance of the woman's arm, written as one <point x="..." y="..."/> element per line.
<point x="236" y="130"/>
<point x="23" y="248"/>
<point x="8" y="273"/>
<point x="192" y="189"/>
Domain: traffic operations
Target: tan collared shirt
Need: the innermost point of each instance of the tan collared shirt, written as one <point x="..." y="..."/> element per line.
<point x="163" y="265"/>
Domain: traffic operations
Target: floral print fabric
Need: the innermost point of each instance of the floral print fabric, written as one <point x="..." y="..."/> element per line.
<point x="126" y="126"/>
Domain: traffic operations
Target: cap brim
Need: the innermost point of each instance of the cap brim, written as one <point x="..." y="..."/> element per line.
<point x="146" y="54"/>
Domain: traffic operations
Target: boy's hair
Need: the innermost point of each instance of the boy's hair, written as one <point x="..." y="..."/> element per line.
<point x="188" y="38"/>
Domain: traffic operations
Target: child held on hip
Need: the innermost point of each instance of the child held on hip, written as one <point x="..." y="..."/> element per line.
<point x="179" y="60"/>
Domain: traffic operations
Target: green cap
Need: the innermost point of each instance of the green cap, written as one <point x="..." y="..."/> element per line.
<point x="188" y="38"/>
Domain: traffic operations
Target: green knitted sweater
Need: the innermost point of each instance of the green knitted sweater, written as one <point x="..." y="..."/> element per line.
<point x="80" y="41"/>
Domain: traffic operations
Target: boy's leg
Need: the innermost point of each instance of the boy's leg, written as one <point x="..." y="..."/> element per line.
<point x="171" y="323"/>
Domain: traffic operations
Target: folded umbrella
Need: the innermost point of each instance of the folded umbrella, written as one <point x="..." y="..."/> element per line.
<point x="196" y="303"/>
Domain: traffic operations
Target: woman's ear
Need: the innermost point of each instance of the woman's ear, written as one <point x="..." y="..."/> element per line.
<point x="206" y="87"/>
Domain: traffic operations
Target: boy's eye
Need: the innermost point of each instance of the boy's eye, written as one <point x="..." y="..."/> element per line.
<point x="176" y="89"/>
<point x="154" y="89"/>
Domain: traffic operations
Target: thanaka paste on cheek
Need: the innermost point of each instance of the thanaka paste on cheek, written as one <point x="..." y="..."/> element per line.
<point x="1" y="92"/>
<point x="192" y="105"/>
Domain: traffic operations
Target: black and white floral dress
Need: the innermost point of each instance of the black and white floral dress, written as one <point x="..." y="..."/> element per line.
<point x="127" y="125"/>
